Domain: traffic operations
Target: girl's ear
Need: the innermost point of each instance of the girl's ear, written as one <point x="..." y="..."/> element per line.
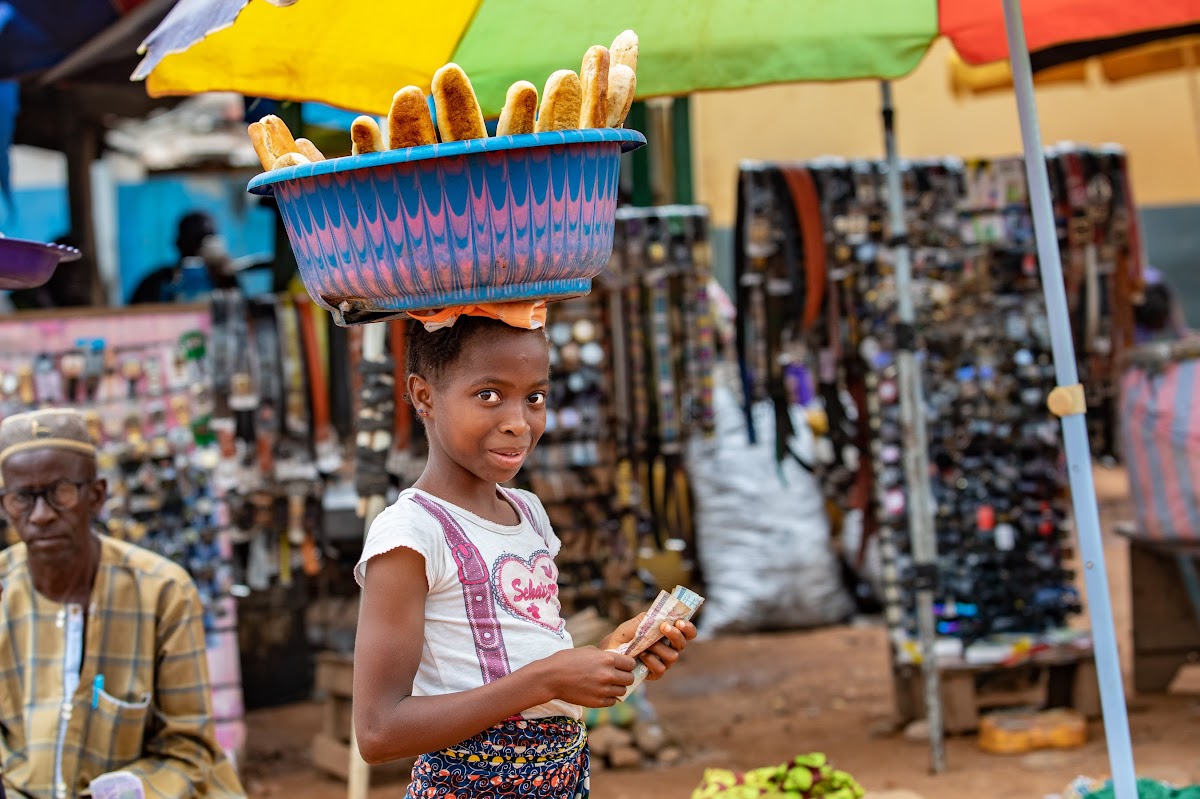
<point x="420" y="393"/>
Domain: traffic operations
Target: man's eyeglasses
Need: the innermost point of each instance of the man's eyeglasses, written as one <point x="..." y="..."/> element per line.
<point x="62" y="495"/>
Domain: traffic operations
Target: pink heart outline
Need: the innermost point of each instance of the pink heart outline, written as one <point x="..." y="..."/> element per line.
<point x="520" y="587"/>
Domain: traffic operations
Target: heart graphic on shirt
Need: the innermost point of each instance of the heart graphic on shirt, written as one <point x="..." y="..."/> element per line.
<point x="529" y="589"/>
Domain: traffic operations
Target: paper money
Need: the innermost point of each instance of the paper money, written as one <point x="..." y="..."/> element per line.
<point x="682" y="603"/>
<point x="666" y="608"/>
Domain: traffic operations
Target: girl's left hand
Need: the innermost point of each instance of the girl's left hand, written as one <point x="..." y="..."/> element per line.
<point x="664" y="653"/>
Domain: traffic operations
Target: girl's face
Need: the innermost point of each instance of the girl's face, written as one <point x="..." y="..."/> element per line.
<point x="488" y="410"/>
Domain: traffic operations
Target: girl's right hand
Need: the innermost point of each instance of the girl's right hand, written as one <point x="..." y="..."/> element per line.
<point x="588" y="676"/>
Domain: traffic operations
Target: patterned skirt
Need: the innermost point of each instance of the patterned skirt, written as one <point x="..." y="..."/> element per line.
<point x="545" y="758"/>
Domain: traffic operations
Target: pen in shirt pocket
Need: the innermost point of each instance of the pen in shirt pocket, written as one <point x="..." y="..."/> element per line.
<point x="97" y="687"/>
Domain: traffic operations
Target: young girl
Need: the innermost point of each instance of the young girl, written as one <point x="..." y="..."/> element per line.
<point x="461" y="656"/>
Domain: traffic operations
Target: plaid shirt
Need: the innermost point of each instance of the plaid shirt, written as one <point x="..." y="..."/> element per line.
<point x="145" y="635"/>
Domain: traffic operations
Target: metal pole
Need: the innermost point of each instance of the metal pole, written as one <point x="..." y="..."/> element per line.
<point x="358" y="782"/>
<point x="1074" y="425"/>
<point x="916" y="442"/>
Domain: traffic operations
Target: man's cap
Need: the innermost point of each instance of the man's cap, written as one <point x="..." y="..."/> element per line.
<point x="52" y="428"/>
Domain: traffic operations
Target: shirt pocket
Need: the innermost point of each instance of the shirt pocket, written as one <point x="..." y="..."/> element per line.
<point x="118" y="727"/>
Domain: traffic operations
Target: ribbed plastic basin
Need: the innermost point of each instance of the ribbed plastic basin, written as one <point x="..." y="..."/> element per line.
<point x="488" y="220"/>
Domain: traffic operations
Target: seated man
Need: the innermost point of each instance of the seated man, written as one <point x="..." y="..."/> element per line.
<point x="103" y="666"/>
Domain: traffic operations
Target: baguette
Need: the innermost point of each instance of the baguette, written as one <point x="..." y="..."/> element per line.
<point x="271" y="139"/>
<point x="593" y="77"/>
<point x="622" y="85"/>
<point x="290" y="159"/>
<point x="365" y="135"/>
<point x="459" y="117"/>
<point x="520" y="110"/>
<point x="262" y="147"/>
<point x="409" y="124"/>
<point x="310" y="151"/>
<point x="624" y="50"/>
<point x="561" y="103"/>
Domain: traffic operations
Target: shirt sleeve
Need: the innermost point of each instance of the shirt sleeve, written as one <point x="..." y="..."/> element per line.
<point x="404" y="524"/>
<point x="180" y="756"/>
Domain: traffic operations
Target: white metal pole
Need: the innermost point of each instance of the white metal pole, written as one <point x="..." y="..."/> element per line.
<point x="1074" y="423"/>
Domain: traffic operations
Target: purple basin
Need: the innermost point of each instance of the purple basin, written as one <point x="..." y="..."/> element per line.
<point x="28" y="264"/>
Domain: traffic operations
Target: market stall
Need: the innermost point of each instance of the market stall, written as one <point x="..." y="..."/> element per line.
<point x="901" y="32"/>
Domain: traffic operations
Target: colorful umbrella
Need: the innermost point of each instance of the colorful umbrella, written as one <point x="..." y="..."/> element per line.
<point x="354" y="54"/>
<point x="350" y="55"/>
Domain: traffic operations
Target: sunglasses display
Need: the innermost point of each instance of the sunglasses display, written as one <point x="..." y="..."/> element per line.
<point x="815" y="274"/>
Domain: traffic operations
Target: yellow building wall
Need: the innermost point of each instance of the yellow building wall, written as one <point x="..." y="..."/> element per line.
<point x="1153" y="118"/>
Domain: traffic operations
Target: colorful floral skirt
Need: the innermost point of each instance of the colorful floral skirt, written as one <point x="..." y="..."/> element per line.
<point x="529" y="757"/>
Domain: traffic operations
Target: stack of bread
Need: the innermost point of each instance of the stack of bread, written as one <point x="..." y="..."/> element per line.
<point x="598" y="96"/>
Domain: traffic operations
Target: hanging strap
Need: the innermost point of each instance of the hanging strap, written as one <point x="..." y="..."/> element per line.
<point x="477" y="593"/>
<point x="807" y="205"/>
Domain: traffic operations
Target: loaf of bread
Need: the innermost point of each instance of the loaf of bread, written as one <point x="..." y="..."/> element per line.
<point x="290" y="159"/>
<point x="271" y="139"/>
<point x="624" y="50"/>
<point x="459" y="117"/>
<point x="520" y="110"/>
<point x="593" y="78"/>
<point x="365" y="136"/>
<point x="622" y="85"/>
<point x="409" y="124"/>
<point x="309" y="150"/>
<point x="561" y="103"/>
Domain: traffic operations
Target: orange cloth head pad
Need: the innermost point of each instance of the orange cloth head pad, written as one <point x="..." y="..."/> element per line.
<point x="525" y="315"/>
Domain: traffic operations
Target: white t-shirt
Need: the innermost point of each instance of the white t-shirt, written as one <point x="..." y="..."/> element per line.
<point x="524" y="587"/>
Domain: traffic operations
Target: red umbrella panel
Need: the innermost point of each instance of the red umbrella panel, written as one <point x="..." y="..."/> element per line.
<point x="1060" y="31"/>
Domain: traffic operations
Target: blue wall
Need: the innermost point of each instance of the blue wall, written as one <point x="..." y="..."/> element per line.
<point x="37" y="215"/>
<point x="149" y="214"/>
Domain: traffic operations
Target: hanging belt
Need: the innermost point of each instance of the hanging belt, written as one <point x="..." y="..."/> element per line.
<point x="325" y="441"/>
<point x="398" y="463"/>
<point x="807" y="205"/>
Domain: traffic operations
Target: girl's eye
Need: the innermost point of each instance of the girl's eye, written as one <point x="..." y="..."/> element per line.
<point x="488" y="395"/>
<point x="537" y="399"/>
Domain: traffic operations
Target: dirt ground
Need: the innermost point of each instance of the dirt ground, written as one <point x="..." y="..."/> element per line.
<point x="757" y="700"/>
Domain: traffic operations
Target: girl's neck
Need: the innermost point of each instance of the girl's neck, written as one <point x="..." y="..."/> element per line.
<point x="446" y="480"/>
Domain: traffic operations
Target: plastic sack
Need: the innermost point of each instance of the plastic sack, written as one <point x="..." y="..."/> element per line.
<point x="761" y="530"/>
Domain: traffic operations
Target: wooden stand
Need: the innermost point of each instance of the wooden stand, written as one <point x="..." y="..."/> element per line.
<point x="1045" y="680"/>
<point x="331" y="746"/>
<point x="1166" y="631"/>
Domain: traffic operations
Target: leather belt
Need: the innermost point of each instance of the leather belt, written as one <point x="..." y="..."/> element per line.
<point x="807" y="205"/>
